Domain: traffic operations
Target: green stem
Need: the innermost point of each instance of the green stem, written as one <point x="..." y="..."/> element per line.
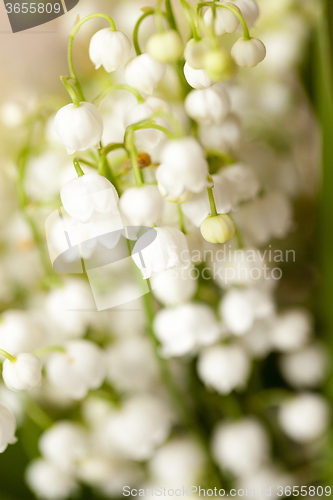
<point x="187" y="10"/>
<point x="176" y="125"/>
<point x="37" y="414"/>
<point x="5" y="354"/>
<point x="239" y="16"/>
<point x="77" y="167"/>
<point x="181" y="220"/>
<point x="132" y="151"/>
<point x="159" y="16"/>
<point x="103" y="165"/>
<point x="148" y="13"/>
<point x="170" y="15"/>
<point x="154" y="126"/>
<point x="71" y="92"/>
<point x="112" y="147"/>
<point x="227" y="159"/>
<point x="49" y="348"/>
<point x="119" y="86"/>
<point x="70" y="46"/>
<point x="213" y="209"/>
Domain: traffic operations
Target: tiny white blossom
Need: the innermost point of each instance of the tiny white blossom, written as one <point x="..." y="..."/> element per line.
<point x="307" y="367"/>
<point x="19" y="332"/>
<point x="225" y="21"/>
<point x="210" y="105"/>
<point x="291" y="330"/>
<point x="7" y="428"/>
<point x="79" y="128"/>
<point x="197" y="78"/>
<point x="141" y="206"/>
<point x="173" y="286"/>
<point x="248" y="53"/>
<point x="48" y="482"/>
<point x="110" y="49"/>
<point x="144" y="73"/>
<point x="225" y="136"/>
<point x="249" y="10"/>
<point x="24" y="373"/>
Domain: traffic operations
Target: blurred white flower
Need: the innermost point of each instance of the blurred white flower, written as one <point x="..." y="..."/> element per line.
<point x="24" y="373"/>
<point x="7" y="428"/>
<point x="291" y="330"/>
<point x="224" y="368"/>
<point x="174" y="285"/>
<point x="166" y="46"/>
<point x="141" y="206"/>
<point x="225" y="136"/>
<point x="77" y="370"/>
<point x="267" y="478"/>
<point x="64" y="444"/>
<point x="249" y="10"/>
<point x="79" y="128"/>
<point x="48" y="481"/>
<point x="183" y="168"/>
<point x="305" y="368"/>
<point x="240" y="447"/>
<point x="139" y="427"/>
<point x="44" y="174"/>
<point x="208" y="105"/>
<point x="181" y="330"/>
<point x="225" y="21"/>
<point x="248" y="53"/>
<point x="19" y="332"/>
<point x="144" y="73"/>
<point x="197" y="78"/>
<point x="304" y="417"/>
<point x="110" y="49"/>
<point x="160" y="249"/>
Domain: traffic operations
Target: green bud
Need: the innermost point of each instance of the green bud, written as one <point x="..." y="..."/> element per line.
<point x="166" y="46"/>
<point x="195" y="52"/>
<point x="218" y="228"/>
<point x="219" y="65"/>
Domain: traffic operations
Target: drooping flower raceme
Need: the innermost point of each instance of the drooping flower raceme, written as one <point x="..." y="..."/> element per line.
<point x="225" y="21"/>
<point x="7" y="428"/>
<point x="183" y="168"/>
<point x="110" y="49"/>
<point x="144" y="73"/>
<point x="183" y="329"/>
<point x="79" y="128"/>
<point x="248" y="53"/>
<point x="159" y="249"/>
<point x="23" y="374"/>
<point x="209" y="105"/>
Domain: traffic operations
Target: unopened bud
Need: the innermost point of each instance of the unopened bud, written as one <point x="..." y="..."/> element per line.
<point x="166" y="46"/>
<point x="219" y="65"/>
<point x="195" y="52"/>
<point x="218" y="228"/>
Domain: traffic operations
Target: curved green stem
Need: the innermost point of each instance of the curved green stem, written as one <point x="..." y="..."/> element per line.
<point x="187" y="10"/>
<point x="148" y="13"/>
<point x="155" y="126"/>
<point x="119" y="86"/>
<point x="159" y="16"/>
<point x="70" y="46"/>
<point x="170" y="15"/>
<point x="176" y="125"/>
<point x="103" y="166"/>
<point x="5" y="354"/>
<point x="71" y="92"/>
<point x="181" y="220"/>
<point x="212" y="204"/>
<point x="132" y="151"/>
<point x="112" y="147"/>
<point x="49" y="348"/>
<point x="239" y="16"/>
<point x="77" y="167"/>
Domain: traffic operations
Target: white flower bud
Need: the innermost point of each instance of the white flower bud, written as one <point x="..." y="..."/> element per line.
<point x="240" y="447"/>
<point x="64" y="444"/>
<point x="24" y="373"/>
<point x="49" y="482"/>
<point x="305" y="417"/>
<point x="305" y="368"/>
<point x="210" y="105"/>
<point x="79" y="128"/>
<point x="224" y="368"/>
<point x="88" y="197"/>
<point x="174" y="285"/>
<point x="166" y="47"/>
<point x="79" y="369"/>
<point x="195" y="52"/>
<point x="248" y="53"/>
<point x="183" y="167"/>
<point x="249" y="10"/>
<point x="291" y="330"/>
<point x="19" y="332"/>
<point x="183" y="329"/>
<point x="218" y="229"/>
<point x="110" y="49"/>
<point x="197" y="78"/>
<point x="144" y="73"/>
<point x="168" y="249"/>
<point x="141" y="206"/>
<point x="7" y="428"/>
<point x="225" y="136"/>
<point x="219" y="65"/>
<point x="225" y="20"/>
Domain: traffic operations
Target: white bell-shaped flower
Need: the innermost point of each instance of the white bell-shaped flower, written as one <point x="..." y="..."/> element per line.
<point x="49" y="482"/>
<point x="248" y="53"/>
<point x="249" y="10"/>
<point x="197" y="78"/>
<point x="225" y="136"/>
<point x="305" y="368"/>
<point x="24" y="373"/>
<point x="225" y="21"/>
<point x="241" y="307"/>
<point x="7" y="428"/>
<point x="77" y="370"/>
<point x="64" y="444"/>
<point x="183" y="329"/>
<point x="183" y="168"/>
<point x="175" y="285"/>
<point x="305" y="417"/>
<point x="144" y="73"/>
<point x="110" y="49"/>
<point x="159" y="249"/>
<point x="79" y="128"/>
<point x="291" y="330"/>
<point x="240" y="447"/>
<point x="139" y="427"/>
<point x="19" y="332"/>
<point x="224" y="368"/>
<point x="210" y="105"/>
<point x="244" y="181"/>
<point x="89" y="197"/>
<point x="141" y="206"/>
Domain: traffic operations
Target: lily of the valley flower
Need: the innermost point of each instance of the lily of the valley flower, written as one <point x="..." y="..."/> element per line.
<point x="218" y="229"/>
<point x="210" y="105"/>
<point x="144" y="73"/>
<point x="166" y="46"/>
<point x="24" y="373"/>
<point x="248" y="53"/>
<point x="110" y="49"/>
<point x="197" y="78"/>
<point x="249" y="10"/>
<point x="141" y="206"/>
<point x="79" y="128"/>
<point x="225" y="21"/>
<point x="7" y="428"/>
